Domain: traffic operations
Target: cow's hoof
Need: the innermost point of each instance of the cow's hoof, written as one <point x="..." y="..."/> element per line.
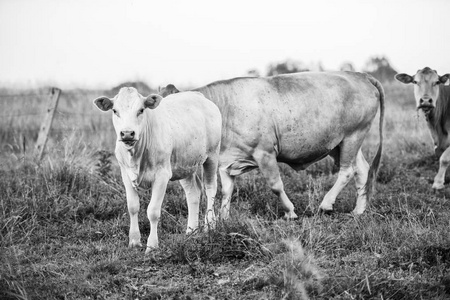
<point x="357" y="212"/>
<point x="326" y="209"/>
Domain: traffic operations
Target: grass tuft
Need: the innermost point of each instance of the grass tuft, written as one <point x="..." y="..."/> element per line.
<point x="231" y="240"/>
<point x="292" y="273"/>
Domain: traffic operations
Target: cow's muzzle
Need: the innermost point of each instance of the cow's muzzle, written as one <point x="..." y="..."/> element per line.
<point x="426" y="108"/>
<point x="426" y="104"/>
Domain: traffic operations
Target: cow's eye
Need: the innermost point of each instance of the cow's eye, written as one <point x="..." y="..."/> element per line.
<point x="437" y="82"/>
<point x="115" y="112"/>
<point x="414" y="82"/>
<point x="140" y="112"/>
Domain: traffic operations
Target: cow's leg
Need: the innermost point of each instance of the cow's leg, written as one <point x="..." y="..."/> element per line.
<point x="444" y="162"/>
<point x="348" y="151"/>
<point x="210" y="180"/>
<point x="154" y="208"/>
<point x="361" y="175"/>
<point x="335" y="154"/>
<point x="133" y="210"/>
<point x="227" y="190"/>
<point x="267" y="163"/>
<point x="346" y="172"/>
<point x="192" y="188"/>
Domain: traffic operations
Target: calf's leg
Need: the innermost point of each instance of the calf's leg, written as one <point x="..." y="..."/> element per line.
<point x="133" y="210"/>
<point x="154" y="208"/>
<point x="210" y="180"/>
<point x="192" y="188"/>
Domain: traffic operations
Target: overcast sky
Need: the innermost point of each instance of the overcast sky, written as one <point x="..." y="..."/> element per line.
<point x="78" y="43"/>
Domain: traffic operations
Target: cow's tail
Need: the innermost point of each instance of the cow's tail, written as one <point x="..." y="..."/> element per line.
<point x="373" y="171"/>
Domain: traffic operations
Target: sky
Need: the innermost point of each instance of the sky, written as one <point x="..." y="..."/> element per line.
<point x="102" y="43"/>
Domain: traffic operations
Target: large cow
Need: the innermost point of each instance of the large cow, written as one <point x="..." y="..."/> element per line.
<point x="433" y="98"/>
<point x="158" y="141"/>
<point x="297" y="119"/>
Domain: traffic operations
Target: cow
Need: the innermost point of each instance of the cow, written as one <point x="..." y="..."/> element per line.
<point x="297" y="119"/>
<point x="158" y="141"/>
<point x="433" y="98"/>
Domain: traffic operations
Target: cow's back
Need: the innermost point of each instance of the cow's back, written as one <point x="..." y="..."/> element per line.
<point x="301" y="116"/>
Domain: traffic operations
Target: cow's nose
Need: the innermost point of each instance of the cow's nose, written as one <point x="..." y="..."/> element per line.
<point x="127" y="135"/>
<point x="426" y="101"/>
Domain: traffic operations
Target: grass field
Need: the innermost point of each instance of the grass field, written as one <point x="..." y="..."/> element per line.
<point x="64" y="221"/>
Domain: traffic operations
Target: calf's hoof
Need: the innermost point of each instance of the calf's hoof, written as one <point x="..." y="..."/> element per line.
<point x="210" y="221"/>
<point x="210" y="225"/>
<point x="135" y="244"/>
<point x="150" y="251"/>
<point x="191" y="230"/>
<point x="437" y="186"/>
<point x="290" y="215"/>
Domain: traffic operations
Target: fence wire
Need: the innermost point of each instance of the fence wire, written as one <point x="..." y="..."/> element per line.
<point x="22" y="114"/>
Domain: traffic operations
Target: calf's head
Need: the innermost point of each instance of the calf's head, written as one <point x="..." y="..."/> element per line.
<point x="426" y="86"/>
<point x="129" y="113"/>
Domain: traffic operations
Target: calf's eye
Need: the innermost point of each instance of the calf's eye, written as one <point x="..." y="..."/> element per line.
<point x="414" y="82"/>
<point x="115" y="112"/>
<point x="140" y="112"/>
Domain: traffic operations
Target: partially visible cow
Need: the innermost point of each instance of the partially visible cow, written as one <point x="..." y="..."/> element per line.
<point x="297" y="119"/>
<point x="158" y="141"/>
<point x="433" y="98"/>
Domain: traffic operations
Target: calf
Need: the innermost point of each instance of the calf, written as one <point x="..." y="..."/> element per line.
<point x="158" y="141"/>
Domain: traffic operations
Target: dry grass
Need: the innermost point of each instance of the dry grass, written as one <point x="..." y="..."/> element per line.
<point x="64" y="224"/>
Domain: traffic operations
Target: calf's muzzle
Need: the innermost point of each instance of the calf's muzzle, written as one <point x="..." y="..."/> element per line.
<point x="127" y="135"/>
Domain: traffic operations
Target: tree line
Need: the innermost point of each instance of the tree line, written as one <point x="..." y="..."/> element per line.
<point x="378" y="66"/>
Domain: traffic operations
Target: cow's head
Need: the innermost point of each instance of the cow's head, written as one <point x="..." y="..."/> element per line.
<point x="426" y="86"/>
<point x="128" y="113"/>
<point x="168" y="90"/>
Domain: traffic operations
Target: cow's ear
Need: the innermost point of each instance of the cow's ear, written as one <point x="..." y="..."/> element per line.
<point x="104" y="103"/>
<point x="168" y="90"/>
<point x="443" y="79"/>
<point x="152" y="101"/>
<point x="404" y="78"/>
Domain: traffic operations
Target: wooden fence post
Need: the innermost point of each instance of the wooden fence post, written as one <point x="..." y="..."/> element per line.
<point x="47" y="122"/>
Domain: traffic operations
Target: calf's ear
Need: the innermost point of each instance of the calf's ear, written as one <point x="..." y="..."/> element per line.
<point x="152" y="101"/>
<point x="404" y="78"/>
<point x="443" y="79"/>
<point x="104" y="103"/>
